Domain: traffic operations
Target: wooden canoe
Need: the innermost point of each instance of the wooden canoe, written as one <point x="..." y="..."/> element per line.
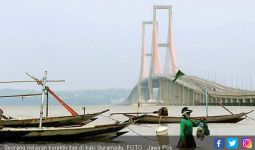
<point x="78" y="120"/>
<point x="108" y="131"/>
<point x="153" y="119"/>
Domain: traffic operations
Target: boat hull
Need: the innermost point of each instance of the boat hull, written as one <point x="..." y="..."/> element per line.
<point x="109" y="131"/>
<point x="78" y="120"/>
<point x="152" y="119"/>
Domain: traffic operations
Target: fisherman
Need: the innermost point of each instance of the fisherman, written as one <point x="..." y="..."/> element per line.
<point x="3" y="116"/>
<point x="1" y="122"/>
<point x="163" y="111"/>
<point x="186" y="130"/>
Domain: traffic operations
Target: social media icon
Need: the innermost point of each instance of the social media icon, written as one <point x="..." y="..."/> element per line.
<point x="247" y="143"/>
<point x="219" y="143"/>
<point x="232" y="143"/>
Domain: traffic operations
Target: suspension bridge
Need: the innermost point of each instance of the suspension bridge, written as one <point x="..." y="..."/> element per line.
<point x="156" y="86"/>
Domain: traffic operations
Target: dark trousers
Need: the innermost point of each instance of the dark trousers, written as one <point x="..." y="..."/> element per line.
<point x="189" y="142"/>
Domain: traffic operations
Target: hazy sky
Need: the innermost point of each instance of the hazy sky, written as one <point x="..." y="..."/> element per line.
<point x="95" y="44"/>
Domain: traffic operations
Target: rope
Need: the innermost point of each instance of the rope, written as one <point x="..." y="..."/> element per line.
<point x="250" y="118"/>
<point x="188" y="79"/>
<point x="144" y="126"/>
<point x="130" y="129"/>
<point x="217" y="100"/>
<point x="142" y="135"/>
<point x="118" y="120"/>
<point x="109" y="118"/>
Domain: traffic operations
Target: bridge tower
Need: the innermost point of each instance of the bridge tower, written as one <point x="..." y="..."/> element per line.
<point x="170" y="60"/>
<point x="144" y="70"/>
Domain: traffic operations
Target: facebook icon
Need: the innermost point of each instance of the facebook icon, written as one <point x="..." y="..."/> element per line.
<point x="219" y="143"/>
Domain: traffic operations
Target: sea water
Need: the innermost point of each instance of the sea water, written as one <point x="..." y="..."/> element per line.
<point x="244" y="127"/>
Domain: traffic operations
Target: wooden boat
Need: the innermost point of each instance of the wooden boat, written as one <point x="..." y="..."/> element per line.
<point x="107" y="131"/>
<point x="43" y="133"/>
<point x="78" y="120"/>
<point x="153" y="119"/>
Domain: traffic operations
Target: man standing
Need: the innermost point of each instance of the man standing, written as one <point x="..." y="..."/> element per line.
<point x="186" y="130"/>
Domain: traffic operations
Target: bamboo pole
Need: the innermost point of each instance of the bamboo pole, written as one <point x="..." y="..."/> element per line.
<point x="134" y="113"/>
<point x="47" y="103"/>
<point x="210" y="95"/>
<point x="68" y="108"/>
<point x="25" y="81"/>
<point x="20" y="95"/>
<point x="43" y="97"/>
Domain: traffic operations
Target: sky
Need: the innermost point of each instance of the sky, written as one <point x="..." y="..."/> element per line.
<point x="96" y="44"/>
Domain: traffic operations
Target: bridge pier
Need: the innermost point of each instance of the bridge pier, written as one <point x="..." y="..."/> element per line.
<point x="253" y="100"/>
<point x="185" y="96"/>
<point x="176" y="94"/>
<point x="238" y="101"/>
<point x="193" y="98"/>
<point x="145" y="93"/>
<point x="181" y="102"/>
<point x="201" y="98"/>
<point x="246" y="101"/>
<point x="222" y="101"/>
<point x="233" y="101"/>
<point x="228" y="100"/>
<point x="172" y="96"/>
<point x="165" y="92"/>
<point x="190" y="93"/>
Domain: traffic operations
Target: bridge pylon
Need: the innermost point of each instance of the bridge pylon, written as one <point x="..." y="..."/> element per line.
<point x="170" y="59"/>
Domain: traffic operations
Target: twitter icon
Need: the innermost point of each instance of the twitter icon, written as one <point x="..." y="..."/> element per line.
<point x="232" y="143"/>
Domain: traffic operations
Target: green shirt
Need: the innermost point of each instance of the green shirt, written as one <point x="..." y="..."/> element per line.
<point x="187" y="128"/>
